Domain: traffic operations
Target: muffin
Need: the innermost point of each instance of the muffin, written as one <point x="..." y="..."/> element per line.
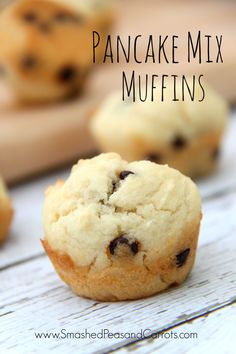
<point x="46" y="49"/>
<point x="121" y="231"/>
<point x="186" y="135"/>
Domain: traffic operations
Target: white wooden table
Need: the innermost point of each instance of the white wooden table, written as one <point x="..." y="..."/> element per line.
<point x="34" y="300"/>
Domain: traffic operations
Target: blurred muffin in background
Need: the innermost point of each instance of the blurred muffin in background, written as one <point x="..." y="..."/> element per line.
<point x="186" y="135"/>
<point x="6" y="212"/>
<point x="46" y="48"/>
<point x="102" y="15"/>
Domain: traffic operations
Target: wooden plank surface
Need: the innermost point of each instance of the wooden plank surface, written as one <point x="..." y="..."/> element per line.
<point x="33" y="140"/>
<point x="33" y="299"/>
<point x="214" y="333"/>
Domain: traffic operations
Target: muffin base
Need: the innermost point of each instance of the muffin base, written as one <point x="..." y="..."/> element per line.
<point x="126" y="279"/>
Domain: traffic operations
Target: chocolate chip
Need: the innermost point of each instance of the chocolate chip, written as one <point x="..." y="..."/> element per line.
<point x="29" y="62"/>
<point x="67" y="74"/>
<point x="123" y="240"/>
<point x="174" y="284"/>
<point x="122" y="176"/>
<point x="179" y="142"/>
<point x="115" y="242"/>
<point x="30" y="17"/>
<point x="134" y="247"/>
<point x="216" y="153"/>
<point x="125" y="174"/>
<point x="155" y="157"/>
<point x="182" y="257"/>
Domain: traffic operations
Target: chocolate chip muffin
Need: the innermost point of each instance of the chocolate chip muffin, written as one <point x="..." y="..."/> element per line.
<point x="6" y="212"/>
<point x="101" y="13"/>
<point x="186" y="135"/>
<point x="46" y="49"/>
<point x="120" y="231"/>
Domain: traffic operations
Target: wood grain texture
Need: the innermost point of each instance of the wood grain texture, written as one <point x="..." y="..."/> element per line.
<point x="33" y="140"/>
<point x="35" y="300"/>
<point x="215" y="330"/>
